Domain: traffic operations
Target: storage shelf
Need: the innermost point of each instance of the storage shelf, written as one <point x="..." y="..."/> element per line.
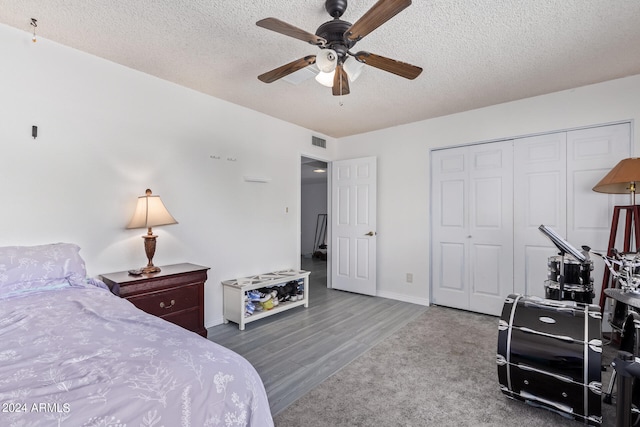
<point x="235" y="290"/>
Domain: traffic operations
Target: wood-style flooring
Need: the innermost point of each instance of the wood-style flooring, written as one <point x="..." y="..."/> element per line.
<point x="297" y="349"/>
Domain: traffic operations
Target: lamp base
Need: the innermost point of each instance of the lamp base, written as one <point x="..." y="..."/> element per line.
<point x="150" y="269"/>
<point x="150" y="250"/>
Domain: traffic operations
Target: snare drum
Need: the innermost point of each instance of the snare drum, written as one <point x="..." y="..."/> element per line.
<point x="577" y="293"/>
<point x="575" y="272"/>
<point x="549" y="355"/>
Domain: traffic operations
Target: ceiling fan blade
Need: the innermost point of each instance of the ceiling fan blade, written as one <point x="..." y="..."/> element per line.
<point x="285" y="70"/>
<point x="379" y="13"/>
<point x="402" y="69"/>
<point x="340" y="82"/>
<point x="282" y="27"/>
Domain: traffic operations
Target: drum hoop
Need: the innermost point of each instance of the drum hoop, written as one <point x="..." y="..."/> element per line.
<point x="509" y="331"/>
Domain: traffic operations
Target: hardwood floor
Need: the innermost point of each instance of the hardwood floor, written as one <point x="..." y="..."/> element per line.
<point x="296" y="350"/>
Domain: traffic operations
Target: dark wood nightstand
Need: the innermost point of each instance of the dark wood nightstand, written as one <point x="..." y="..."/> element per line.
<point x="176" y="293"/>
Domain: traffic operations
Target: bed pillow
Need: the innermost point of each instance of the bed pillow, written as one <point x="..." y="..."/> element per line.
<point x="23" y="268"/>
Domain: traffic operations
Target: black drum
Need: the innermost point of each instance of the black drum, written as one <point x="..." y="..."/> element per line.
<point x="575" y="272"/>
<point x="630" y="339"/>
<point x="619" y="315"/>
<point x="577" y="293"/>
<point x="549" y="355"/>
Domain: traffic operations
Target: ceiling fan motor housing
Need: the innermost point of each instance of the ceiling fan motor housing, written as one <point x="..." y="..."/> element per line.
<point x="333" y="32"/>
<point x="335" y="7"/>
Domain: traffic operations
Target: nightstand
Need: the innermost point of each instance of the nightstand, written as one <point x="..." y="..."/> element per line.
<point x="175" y="294"/>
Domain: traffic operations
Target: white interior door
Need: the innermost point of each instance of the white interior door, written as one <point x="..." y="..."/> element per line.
<point x="472" y="249"/>
<point x="353" y="231"/>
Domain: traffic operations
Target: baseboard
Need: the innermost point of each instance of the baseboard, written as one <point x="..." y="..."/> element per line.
<point x="403" y="298"/>
<point x="215" y="322"/>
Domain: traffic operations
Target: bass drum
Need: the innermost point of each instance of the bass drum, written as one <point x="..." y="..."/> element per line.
<point x="549" y="355"/>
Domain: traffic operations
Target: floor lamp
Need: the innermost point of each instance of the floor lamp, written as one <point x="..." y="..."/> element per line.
<point x="621" y="179"/>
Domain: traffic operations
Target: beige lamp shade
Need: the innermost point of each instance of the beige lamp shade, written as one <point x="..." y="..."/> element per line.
<point x="621" y="179"/>
<point x="150" y="212"/>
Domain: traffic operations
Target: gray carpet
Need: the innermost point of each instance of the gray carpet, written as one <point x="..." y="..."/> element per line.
<point x="440" y="370"/>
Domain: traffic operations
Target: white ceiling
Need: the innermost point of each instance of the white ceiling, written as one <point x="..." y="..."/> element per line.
<point x="474" y="52"/>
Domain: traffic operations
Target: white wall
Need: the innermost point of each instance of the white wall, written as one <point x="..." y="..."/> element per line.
<point x="106" y="133"/>
<point x="403" y="165"/>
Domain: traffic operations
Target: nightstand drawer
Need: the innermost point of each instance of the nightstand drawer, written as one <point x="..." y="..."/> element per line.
<point x="188" y="319"/>
<point x="165" y="302"/>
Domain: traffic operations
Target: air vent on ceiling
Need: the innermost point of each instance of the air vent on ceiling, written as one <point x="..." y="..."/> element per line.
<point x="318" y="142"/>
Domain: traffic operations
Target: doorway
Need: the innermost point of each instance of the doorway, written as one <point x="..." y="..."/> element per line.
<point x="314" y="218"/>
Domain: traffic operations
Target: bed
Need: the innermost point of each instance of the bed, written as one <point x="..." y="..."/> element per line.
<point x="73" y="354"/>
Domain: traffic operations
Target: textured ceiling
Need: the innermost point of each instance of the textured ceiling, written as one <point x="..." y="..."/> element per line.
<point x="474" y="52"/>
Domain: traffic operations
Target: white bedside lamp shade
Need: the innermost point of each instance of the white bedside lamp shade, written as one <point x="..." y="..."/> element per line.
<point x="150" y="212"/>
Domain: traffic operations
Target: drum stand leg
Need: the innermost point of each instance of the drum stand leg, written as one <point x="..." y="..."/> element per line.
<point x="607" y="396"/>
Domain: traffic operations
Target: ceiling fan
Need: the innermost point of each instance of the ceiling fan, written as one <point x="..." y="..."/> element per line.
<point x="335" y="38"/>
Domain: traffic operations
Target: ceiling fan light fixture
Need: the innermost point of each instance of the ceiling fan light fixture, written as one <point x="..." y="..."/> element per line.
<point x="326" y="79"/>
<point x="353" y="68"/>
<point x="327" y="60"/>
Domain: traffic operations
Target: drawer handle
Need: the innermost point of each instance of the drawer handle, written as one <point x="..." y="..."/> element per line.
<point x="162" y="304"/>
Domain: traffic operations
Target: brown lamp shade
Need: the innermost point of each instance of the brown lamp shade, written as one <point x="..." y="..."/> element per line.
<point x="621" y="179"/>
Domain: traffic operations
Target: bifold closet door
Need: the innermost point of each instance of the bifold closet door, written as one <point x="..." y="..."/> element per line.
<point x="591" y="154"/>
<point x="540" y="197"/>
<point x="472" y="246"/>
<point x="488" y="200"/>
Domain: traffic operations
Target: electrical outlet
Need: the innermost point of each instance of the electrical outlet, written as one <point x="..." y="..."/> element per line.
<point x="409" y="277"/>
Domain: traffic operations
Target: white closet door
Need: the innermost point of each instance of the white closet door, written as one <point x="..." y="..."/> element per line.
<point x="490" y="226"/>
<point x="540" y="196"/>
<point x="449" y="250"/>
<point x="488" y="201"/>
<point x="591" y="154"/>
<point x="473" y="226"/>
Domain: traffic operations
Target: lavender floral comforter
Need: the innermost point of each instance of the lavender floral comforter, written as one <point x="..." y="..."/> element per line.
<point x="80" y="356"/>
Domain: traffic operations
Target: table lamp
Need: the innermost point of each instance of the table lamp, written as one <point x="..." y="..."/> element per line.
<point x="150" y="212"/>
<point x="621" y="179"/>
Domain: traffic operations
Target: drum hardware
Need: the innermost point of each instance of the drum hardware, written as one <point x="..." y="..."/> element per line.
<point x="626" y="304"/>
<point x="569" y="273"/>
<point x="627" y="273"/>
<point x="628" y="369"/>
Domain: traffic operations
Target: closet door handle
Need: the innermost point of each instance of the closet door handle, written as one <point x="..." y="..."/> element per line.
<point x="371" y="233"/>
